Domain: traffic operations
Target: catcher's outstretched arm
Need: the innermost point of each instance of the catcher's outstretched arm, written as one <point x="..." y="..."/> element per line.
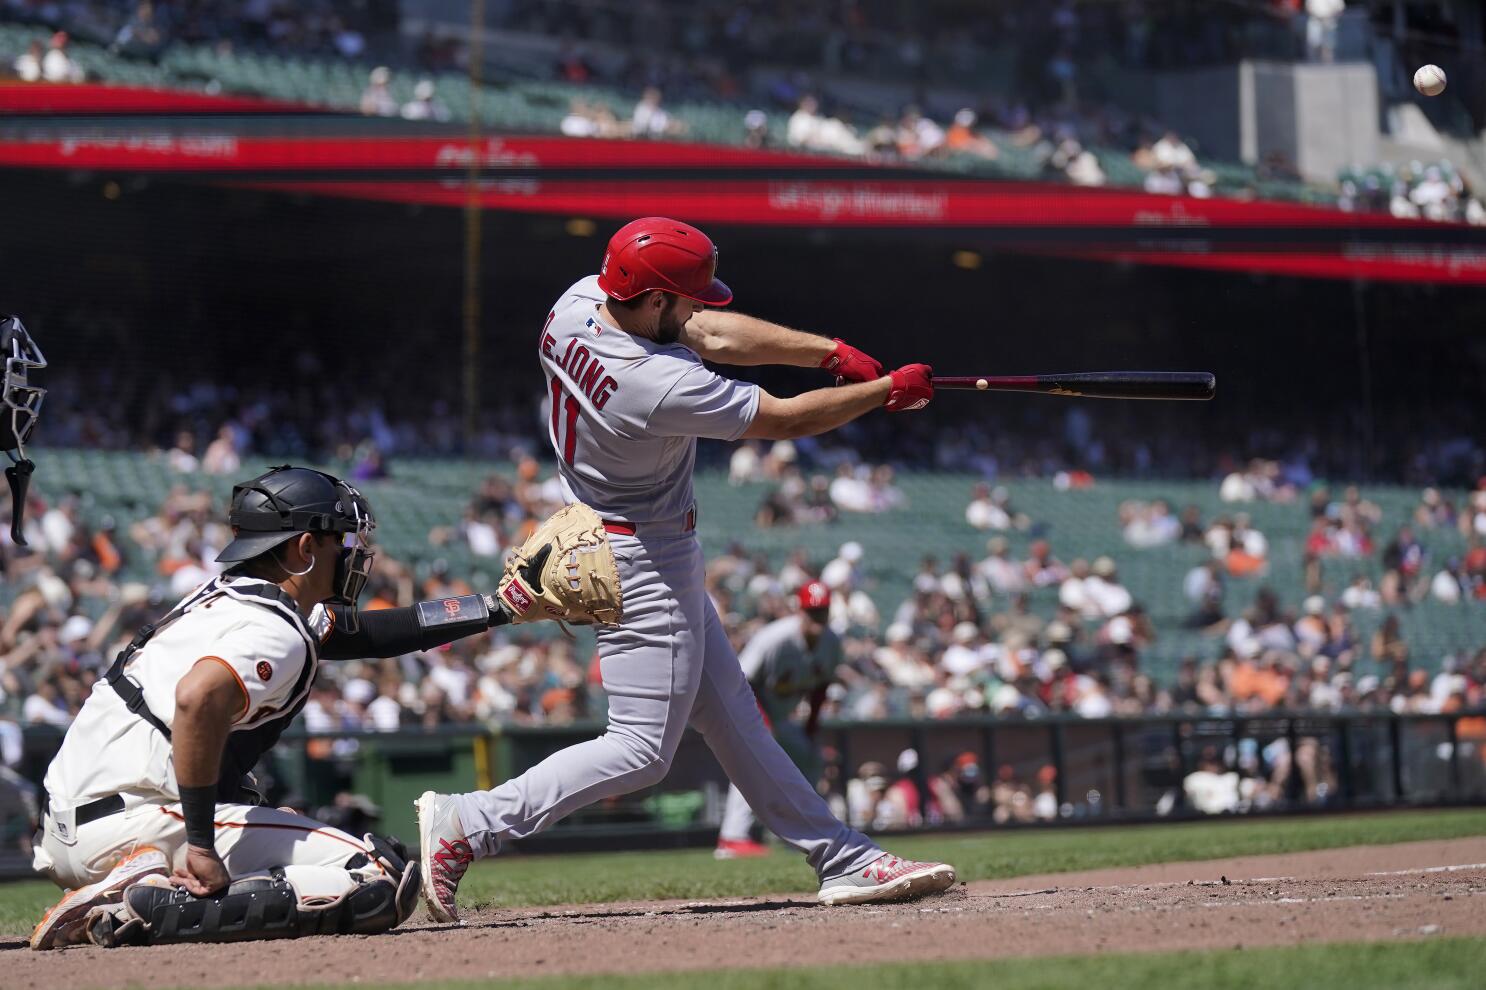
<point x="391" y="632"/>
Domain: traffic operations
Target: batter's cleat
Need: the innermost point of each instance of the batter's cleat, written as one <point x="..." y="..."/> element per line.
<point x="444" y="854"/>
<point x="739" y="849"/>
<point x="66" y="922"/>
<point x="887" y="878"/>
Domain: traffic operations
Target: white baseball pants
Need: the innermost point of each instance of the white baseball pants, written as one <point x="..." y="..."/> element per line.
<point x="249" y="840"/>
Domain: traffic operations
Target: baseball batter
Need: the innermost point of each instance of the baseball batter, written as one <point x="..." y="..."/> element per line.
<point x="621" y="354"/>
<point x="152" y="776"/>
<point x="789" y="661"/>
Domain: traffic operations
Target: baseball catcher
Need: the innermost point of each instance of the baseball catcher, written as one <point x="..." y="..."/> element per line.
<point x="22" y="406"/>
<point x="162" y="838"/>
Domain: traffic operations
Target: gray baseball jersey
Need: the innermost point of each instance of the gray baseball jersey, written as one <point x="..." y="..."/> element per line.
<point x="783" y="670"/>
<point x="627" y="412"/>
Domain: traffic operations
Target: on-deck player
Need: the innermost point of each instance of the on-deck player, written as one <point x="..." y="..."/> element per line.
<point x="622" y="356"/>
<point x="789" y="661"/>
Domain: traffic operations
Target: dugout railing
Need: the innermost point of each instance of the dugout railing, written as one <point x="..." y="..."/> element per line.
<point x="1047" y="771"/>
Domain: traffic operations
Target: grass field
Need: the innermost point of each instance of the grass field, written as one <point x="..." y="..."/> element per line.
<point x="516" y="881"/>
<point x="1441" y="964"/>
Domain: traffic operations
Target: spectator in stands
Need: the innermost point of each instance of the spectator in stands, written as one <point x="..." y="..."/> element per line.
<point x="28" y="64"/>
<point x="1004" y="575"/>
<point x="990" y="508"/>
<point x="376" y="98"/>
<point x="1041" y="569"/>
<point x="964" y="138"/>
<point x="755" y="129"/>
<point x="1320" y="28"/>
<point x="1076" y="163"/>
<point x="1472" y="523"/>
<point x="651" y="120"/>
<point x="902" y="661"/>
<point x="425" y="105"/>
<point x="141" y="36"/>
<point x="1148" y="524"/>
<point x="222" y="456"/>
<point x="959" y="792"/>
<point x="1447" y="584"/>
<point x="57" y="66"/>
<point x="1434" y="511"/>
<point x="1403" y="569"/>
<point x="811" y="130"/>
<point x="918" y="136"/>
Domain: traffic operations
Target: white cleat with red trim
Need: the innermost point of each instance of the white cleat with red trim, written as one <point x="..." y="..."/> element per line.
<point x="887" y="878"/>
<point x="444" y="854"/>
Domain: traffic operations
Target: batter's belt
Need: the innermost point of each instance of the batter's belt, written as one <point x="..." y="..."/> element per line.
<point x="666" y="527"/>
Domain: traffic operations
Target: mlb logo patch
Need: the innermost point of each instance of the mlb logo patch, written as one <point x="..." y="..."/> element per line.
<point x="595" y="326"/>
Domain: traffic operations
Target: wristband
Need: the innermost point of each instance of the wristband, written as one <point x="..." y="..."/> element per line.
<point x="199" y="809"/>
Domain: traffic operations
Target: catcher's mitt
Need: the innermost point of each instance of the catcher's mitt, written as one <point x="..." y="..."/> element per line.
<point x="564" y="571"/>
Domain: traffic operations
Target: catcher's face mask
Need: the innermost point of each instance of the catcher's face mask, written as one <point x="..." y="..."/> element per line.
<point x="20" y="405"/>
<point x="353" y="565"/>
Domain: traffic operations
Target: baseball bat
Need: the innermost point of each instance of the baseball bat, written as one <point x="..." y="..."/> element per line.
<point x="1194" y="385"/>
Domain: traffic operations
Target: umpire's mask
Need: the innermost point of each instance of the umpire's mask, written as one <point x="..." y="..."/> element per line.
<point x="19" y="409"/>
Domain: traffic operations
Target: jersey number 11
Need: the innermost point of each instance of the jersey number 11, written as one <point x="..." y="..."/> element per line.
<point x="569" y="405"/>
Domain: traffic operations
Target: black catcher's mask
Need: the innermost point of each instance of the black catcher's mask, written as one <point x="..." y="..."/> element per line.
<point x="278" y="505"/>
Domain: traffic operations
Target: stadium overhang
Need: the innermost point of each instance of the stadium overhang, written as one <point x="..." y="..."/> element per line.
<point x="245" y="143"/>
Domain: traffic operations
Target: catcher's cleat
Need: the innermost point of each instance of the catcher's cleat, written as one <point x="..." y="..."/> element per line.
<point x="444" y="854"/>
<point x="66" y="922"/>
<point x="739" y="849"/>
<point x="887" y="878"/>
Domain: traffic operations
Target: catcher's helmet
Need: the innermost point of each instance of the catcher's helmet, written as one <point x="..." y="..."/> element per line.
<point x="286" y="501"/>
<point x="657" y="253"/>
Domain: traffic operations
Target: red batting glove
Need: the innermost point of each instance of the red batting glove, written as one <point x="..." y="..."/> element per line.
<point x="852" y="365"/>
<point x="912" y="388"/>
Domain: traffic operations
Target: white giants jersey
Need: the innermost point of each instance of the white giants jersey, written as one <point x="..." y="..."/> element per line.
<point x="110" y="750"/>
<point x="627" y="412"/>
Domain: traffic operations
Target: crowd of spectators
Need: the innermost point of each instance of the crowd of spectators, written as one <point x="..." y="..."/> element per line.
<point x="1003" y="633"/>
<point x="775" y="59"/>
<point x="145" y="28"/>
<point x="1434" y="191"/>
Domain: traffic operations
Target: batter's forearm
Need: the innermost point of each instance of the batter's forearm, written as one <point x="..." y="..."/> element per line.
<point x="742" y="340"/>
<point x="813" y="413"/>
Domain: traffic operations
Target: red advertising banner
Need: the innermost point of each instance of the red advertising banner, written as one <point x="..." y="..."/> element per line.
<point x="768" y="188"/>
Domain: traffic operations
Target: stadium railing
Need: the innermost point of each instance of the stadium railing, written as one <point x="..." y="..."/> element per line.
<point x="1095" y="771"/>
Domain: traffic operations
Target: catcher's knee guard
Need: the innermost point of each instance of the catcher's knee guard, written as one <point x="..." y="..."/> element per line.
<point x="371" y="894"/>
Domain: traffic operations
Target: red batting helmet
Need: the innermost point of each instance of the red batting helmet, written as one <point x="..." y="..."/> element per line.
<point x="814" y="595"/>
<point x="657" y="253"/>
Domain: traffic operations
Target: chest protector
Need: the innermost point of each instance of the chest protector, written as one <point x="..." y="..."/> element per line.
<point x="244" y="747"/>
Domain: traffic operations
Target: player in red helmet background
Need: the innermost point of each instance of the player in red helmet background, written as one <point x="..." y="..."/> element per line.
<point x="789" y="662"/>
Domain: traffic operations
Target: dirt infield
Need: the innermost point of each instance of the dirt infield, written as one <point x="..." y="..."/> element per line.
<point x="1361" y="893"/>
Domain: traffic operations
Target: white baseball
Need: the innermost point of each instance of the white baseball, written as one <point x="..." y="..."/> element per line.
<point x="982" y="384"/>
<point x="1430" y="80"/>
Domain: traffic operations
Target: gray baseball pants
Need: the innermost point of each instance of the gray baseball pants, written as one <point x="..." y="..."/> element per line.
<point x="669" y="663"/>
